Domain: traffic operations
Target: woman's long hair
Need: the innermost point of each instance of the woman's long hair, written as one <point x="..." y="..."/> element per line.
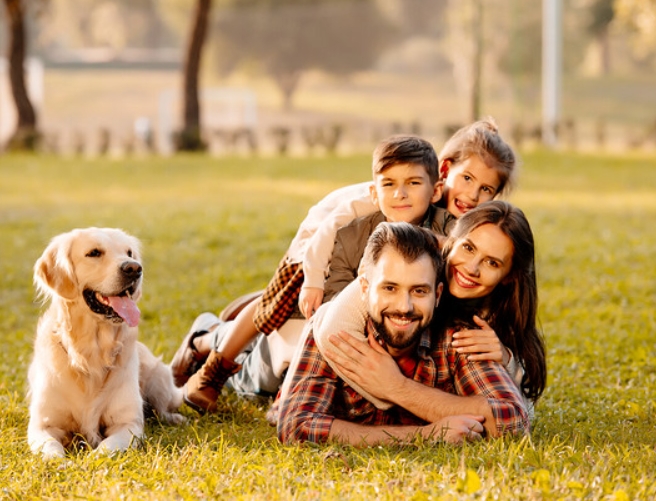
<point x="511" y="308"/>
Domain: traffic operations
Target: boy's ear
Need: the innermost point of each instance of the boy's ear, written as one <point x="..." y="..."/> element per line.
<point x="373" y="194"/>
<point x="438" y="189"/>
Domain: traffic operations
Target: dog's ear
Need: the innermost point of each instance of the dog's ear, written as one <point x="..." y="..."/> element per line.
<point x="53" y="271"/>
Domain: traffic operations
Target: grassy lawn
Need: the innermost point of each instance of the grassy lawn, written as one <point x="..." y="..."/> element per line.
<point x="215" y="228"/>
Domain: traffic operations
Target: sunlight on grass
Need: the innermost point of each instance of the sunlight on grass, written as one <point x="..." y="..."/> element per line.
<point x="215" y="228"/>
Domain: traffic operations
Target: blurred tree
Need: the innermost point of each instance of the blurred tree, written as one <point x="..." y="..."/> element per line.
<point x="284" y="38"/>
<point x="26" y="135"/>
<point x="601" y="17"/>
<point x="640" y="17"/>
<point x="189" y="138"/>
<point x="464" y="48"/>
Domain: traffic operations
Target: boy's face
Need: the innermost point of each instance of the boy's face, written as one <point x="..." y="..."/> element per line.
<point x="404" y="192"/>
<point x="400" y="297"/>
<point x="470" y="183"/>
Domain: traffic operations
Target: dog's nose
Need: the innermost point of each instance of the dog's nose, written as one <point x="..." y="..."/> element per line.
<point x="131" y="269"/>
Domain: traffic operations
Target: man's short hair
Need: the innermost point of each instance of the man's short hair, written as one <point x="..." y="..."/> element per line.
<point x="409" y="240"/>
<point x="401" y="149"/>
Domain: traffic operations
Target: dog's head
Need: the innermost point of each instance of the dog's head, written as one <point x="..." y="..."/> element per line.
<point x="102" y="266"/>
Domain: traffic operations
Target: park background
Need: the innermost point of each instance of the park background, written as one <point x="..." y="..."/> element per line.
<point x="215" y="223"/>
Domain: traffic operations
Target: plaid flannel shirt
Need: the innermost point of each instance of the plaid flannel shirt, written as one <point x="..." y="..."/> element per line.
<point x="317" y="396"/>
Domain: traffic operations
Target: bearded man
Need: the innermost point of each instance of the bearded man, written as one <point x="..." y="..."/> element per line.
<point x="400" y="275"/>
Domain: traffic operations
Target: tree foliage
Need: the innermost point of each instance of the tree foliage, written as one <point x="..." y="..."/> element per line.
<point x="286" y="38"/>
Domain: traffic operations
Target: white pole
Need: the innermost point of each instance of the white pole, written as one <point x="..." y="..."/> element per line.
<point x="551" y="69"/>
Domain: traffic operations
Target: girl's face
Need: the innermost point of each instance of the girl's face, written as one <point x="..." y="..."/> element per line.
<point x="468" y="184"/>
<point x="478" y="262"/>
<point x="403" y="193"/>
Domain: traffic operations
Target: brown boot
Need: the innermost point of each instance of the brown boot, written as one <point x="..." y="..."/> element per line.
<point x="204" y="387"/>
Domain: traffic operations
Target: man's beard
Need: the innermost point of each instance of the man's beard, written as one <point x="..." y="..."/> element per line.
<point x="397" y="340"/>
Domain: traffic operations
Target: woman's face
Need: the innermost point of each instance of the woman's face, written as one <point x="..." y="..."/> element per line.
<point x="478" y="262"/>
<point x="468" y="184"/>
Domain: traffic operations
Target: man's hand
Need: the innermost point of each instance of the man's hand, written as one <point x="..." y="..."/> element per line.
<point x="455" y="429"/>
<point x="367" y="364"/>
<point x="481" y="344"/>
<point x="310" y="300"/>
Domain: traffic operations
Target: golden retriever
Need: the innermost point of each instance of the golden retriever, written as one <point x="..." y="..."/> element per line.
<point x="90" y="377"/>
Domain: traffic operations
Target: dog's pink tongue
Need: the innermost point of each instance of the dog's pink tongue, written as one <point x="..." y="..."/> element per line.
<point x="126" y="308"/>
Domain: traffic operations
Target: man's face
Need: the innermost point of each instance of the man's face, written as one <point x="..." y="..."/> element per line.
<point x="401" y="298"/>
<point x="403" y="193"/>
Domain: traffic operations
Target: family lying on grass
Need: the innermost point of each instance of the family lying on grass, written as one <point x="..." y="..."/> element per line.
<point x="369" y="333"/>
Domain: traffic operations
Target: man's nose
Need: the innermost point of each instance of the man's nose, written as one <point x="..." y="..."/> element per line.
<point x="404" y="303"/>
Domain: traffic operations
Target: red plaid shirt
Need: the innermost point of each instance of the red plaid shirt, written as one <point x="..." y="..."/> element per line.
<point x="317" y="395"/>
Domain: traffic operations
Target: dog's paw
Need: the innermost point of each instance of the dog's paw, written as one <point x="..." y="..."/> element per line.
<point x="172" y="418"/>
<point x="51" y="449"/>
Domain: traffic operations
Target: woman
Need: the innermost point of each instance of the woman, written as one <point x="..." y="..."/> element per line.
<point x="490" y="300"/>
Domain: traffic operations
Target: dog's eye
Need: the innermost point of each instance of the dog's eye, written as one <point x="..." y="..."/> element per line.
<point x="94" y="253"/>
<point x="129" y="252"/>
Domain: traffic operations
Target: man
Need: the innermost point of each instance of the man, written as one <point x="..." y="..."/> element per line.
<point x="401" y="267"/>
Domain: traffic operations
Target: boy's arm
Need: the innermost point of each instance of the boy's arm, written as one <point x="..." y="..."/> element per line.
<point x="319" y="251"/>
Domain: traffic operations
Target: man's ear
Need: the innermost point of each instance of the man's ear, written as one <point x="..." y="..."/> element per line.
<point x="364" y="285"/>
<point x="438" y="189"/>
<point x="438" y="293"/>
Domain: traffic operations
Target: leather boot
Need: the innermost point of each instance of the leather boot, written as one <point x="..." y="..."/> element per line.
<point x="204" y="387"/>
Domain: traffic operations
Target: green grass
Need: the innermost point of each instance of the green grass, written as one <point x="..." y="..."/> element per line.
<point x="215" y="228"/>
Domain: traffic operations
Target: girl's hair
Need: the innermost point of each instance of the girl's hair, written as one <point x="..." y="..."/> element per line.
<point x="482" y="139"/>
<point x="400" y="149"/>
<point x="511" y="308"/>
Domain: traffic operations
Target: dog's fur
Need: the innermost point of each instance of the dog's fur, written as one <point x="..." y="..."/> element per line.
<point x="90" y="377"/>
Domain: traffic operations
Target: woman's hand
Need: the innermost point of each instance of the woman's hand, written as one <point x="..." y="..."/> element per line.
<point x="367" y="364"/>
<point x="481" y="344"/>
<point x="309" y="300"/>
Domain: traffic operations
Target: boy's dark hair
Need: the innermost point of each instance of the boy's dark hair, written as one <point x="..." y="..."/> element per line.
<point x="410" y="241"/>
<point x="401" y="149"/>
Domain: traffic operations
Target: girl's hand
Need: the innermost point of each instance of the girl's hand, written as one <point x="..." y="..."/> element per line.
<point x="481" y="344"/>
<point x="367" y="364"/>
<point x="309" y="300"/>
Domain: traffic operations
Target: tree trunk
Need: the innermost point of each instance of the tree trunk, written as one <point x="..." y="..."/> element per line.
<point x="25" y="135"/>
<point x="477" y="62"/>
<point x="190" y="136"/>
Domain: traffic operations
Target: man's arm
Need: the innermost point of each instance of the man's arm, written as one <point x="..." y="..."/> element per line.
<point x="454" y="430"/>
<point x="307" y="413"/>
<point x="483" y="388"/>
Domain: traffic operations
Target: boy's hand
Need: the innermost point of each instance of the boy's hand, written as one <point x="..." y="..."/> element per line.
<point x="310" y="300"/>
<point x="482" y="344"/>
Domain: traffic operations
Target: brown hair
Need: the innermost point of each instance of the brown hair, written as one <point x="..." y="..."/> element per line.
<point x="409" y="240"/>
<point x="402" y="149"/>
<point x="482" y="138"/>
<point x="512" y="305"/>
